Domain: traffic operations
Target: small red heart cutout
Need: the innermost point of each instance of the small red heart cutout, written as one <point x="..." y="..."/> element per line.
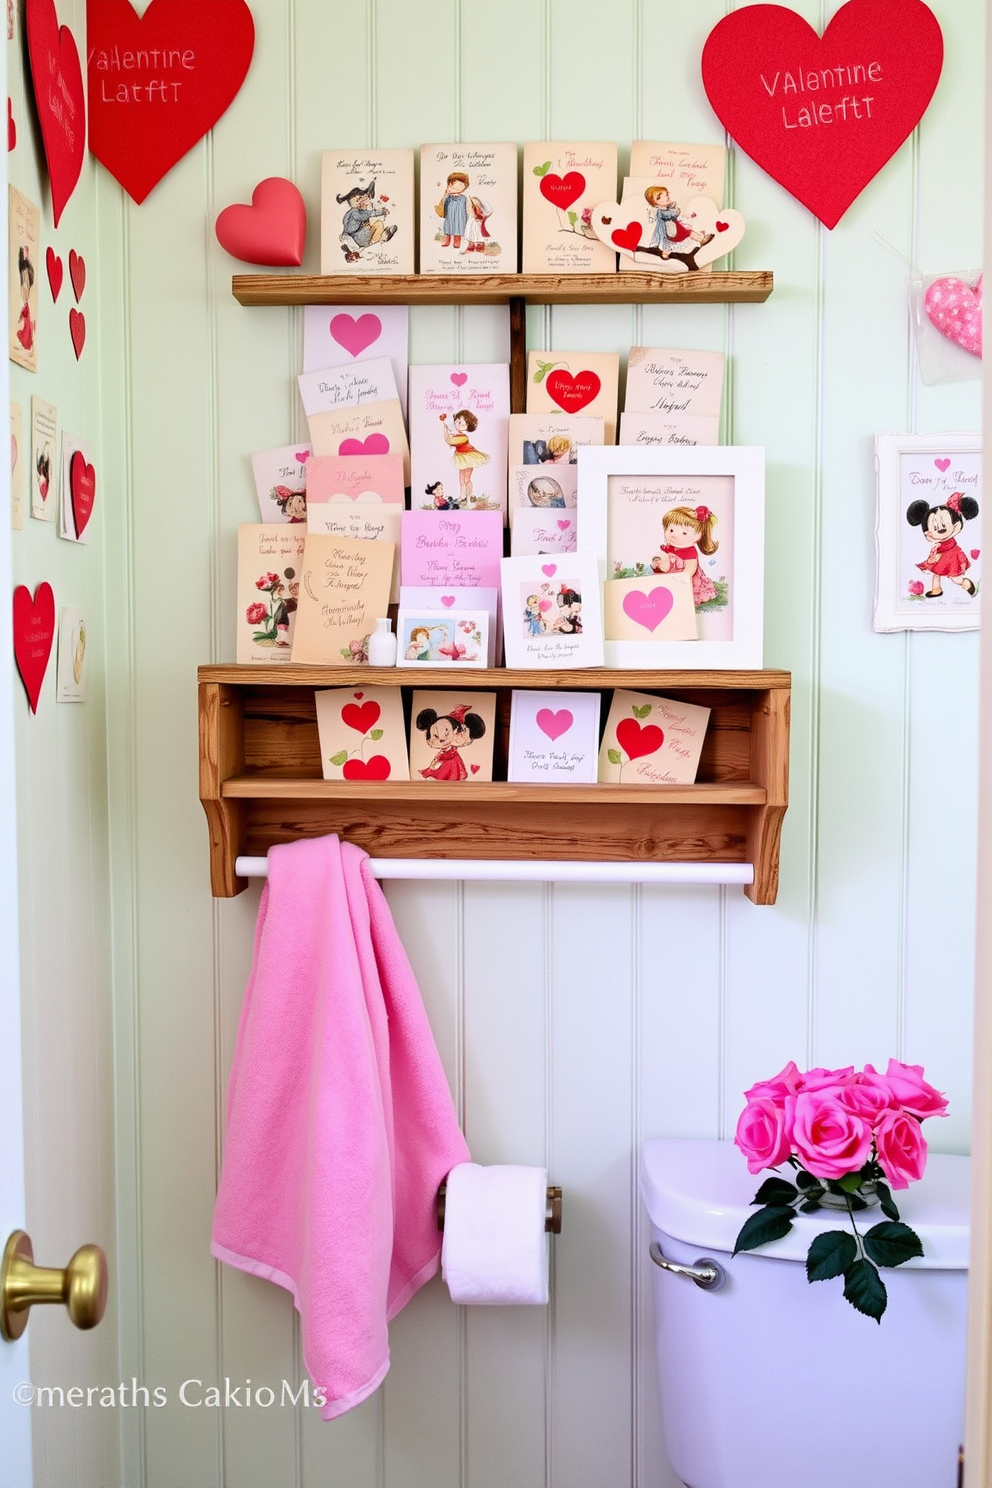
<point x="82" y="488"/>
<point x="636" y="741"/>
<point x="721" y="226"/>
<point x="56" y="269"/>
<point x="302" y="456"/>
<point x="11" y="127"/>
<point x="572" y="393"/>
<point x="475" y="769"/>
<point x="34" y="632"/>
<point x="376" y="768"/>
<point x="976" y="552"/>
<point x="77" y="273"/>
<point x="562" y="191"/>
<point x="271" y="231"/>
<point x="358" y="695"/>
<point x="627" y="237"/>
<point x="361" y="719"/>
<point x="77" y="330"/>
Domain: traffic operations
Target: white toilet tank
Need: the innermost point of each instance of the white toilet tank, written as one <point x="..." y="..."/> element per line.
<point x="773" y="1382"/>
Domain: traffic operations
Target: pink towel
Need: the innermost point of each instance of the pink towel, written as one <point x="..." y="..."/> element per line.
<point x="340" y="1123"/>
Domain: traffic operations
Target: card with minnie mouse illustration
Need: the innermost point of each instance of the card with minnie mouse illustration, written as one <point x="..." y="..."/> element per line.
<point x="451" y="736"/>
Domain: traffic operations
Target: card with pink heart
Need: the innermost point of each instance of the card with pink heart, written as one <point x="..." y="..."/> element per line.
<point x="362" y="733"/>
<point x="453" y="600"/>
<point x="552" y="615"/>
<point x="341" y="335"/>
<point x="281" y="482"/>
<point x="554" y="737"/>
<point x="458" y="429"/>
<point x="650" y="740"/>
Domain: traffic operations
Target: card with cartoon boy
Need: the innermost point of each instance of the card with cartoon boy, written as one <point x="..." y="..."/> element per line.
<point x="552" y="615"/>
<point x="468" y="209"/>
<point x="366" y="212"/>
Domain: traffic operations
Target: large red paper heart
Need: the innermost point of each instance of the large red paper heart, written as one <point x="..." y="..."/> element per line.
<point x="355" y="335"/>
<point x="55" y="271"/>
<point x="272" y="231"/>
<point x="572" y="393"/>
<point x="823" y="116"/>
<point x="82" y="488"/>
<point x="376" y="768"/>
<point x="146" y="114"/>
<point x="34" y="632"/>
<point x="77" y="273"/>
<point x="77" y="330"/>
<point x="637" y="740"/>
<point x="648" y="610"/>
<point x="562" y="191"/>
<point x="361" y="718"/>
<point x="58" y="92"/>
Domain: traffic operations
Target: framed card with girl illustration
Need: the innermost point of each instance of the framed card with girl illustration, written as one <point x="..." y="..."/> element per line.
<point x="928" y="531"/>
<point x="679" y="535"/>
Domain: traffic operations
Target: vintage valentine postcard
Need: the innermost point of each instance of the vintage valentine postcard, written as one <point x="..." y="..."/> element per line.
<point x="344" y="589"/>
<point x="553" y="737"/>
<point x="362" y="733"/>
<point x="366" y="212"/>
<point x="650" y="740"/>
<point x="330" y="388"/>
<point x="370" y="521"/>
<point x="452" y="549"/>
<point x="70" y="669"/>
<point x="691" y="170"/>
<point x="45" y="468"/>
<point x="440" y="638"/>
<point x="668" y="428"/>
<point x="451" y="736"/>
<point x="468" y="209"/>
<point x="551" y="611"/>
<point x="373" y="429"/>
<point x="270" y="557"/>
<point x="562" y="182"/>
<point x="536" y="531"/>
<point x="281" y="482"/>
<point x="547" y="488"/>
<point x="339" y="335"/>
<point x="575" y="382"/>
<point x="79" y="485"/>
<point x="417" y="596"/>
<point x="550" y="438"/>
<point x="674" y="382"/>
<point x="354" y="479"/>
<point x="24" y="266"/>
<point x="661" y="232"/>
<point x="458" y="429"/>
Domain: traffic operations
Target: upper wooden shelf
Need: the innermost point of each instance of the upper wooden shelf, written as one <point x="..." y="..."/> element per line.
<point x="719" y="287"/>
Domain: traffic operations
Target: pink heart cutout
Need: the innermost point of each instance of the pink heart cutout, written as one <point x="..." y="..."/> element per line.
<point x="302" y="456"/>
<point x="648" y="610"/>
<point x="564" y="526"/>
<point x="376" y="444"/>
<point x="942" y="464"/>
<point x="459" y="378"/>
<point x="447" y="600"/>
<point x="955" y="309"/>
<point x="355" y="335"/>
<point x="554" y="724"/>
<point x="549" y="569"/>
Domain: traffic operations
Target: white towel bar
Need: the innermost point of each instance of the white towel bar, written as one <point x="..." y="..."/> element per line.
<point x="538" y="870"/>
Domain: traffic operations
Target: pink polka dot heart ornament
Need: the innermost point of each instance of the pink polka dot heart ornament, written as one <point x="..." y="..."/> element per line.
<point x="954" y="307"/>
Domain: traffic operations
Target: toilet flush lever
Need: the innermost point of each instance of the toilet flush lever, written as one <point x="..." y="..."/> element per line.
<point x="706" y="1273"/>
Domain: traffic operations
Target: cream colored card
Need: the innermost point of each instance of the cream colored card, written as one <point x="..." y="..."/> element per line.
<point x="44" y="464"/>
<point x="24" y="267"/>
<point x="668" y="428"/>
<point x="366" y="212"/>
<point x="666" y="380"/>
<point x="17" y="466"/>
<point x="670" y="237"/>
<point x="451" y="735"/>
<point x="575" y="382"/>
<point x="373" y="429"/>
<point x="362" y="733"/>
<point x="562" y="182"/>
<point x="468" y="209"/>
<point x="658" y="607"/>
<point x="651" y="740"/>
<point x="692" y="170"/>
<point x="348" y="387"/>
<point x="270" y="556"/>
<point x="70" y="669"/>
<point x="553" y="438"/>
<point x="344" y="588"/>
<point x="374" y="521"/>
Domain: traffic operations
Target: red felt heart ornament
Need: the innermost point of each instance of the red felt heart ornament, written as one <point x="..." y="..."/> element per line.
<point x="56" y="269"/>
<point x="158" y="82"/>
<point x="77" y="273"/>
<point x="57" y="79"/>
<point x="822" y="116"/>
<point x="273" y="230"/>
<point x="77" y="330"/>
<point x="376" y="768"/>
<point x="363" y="718"/>
<point x="636" y="740"/>
<point x="34" y="632"/>
<point x="572" y="393"/>
<point x="82" y="488"/>
<point x="562" y="191"/>
<point x="627" y="237"/>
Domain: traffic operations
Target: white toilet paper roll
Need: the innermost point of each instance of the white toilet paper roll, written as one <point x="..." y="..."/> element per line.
<point x="495" y="1248"/>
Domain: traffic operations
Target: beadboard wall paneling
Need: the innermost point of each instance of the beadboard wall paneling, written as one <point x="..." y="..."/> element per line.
<point x="573" y="1022"/>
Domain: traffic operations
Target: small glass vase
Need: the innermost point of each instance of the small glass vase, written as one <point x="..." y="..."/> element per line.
<point x="867" y="1193"/>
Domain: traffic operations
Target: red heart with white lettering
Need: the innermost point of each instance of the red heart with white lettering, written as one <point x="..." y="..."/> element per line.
<point x="57" y="79"/>
<point x="34" y="632"/>
<point x="144" y="118"/>
<point x="822" y="116"/>
<point x="55" y="271"/>
<point x="77" y="273"/>
<point x="636" y="740"/>
<point x="572" y="393"/>
<point x="562" y="191"/>
<point x="272" y="231"/>
<point x="363" y="718"/>
<point x="376" y="768"/>
<point x="82" y="489"/>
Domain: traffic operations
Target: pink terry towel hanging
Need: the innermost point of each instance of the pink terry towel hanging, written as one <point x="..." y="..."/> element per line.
<point x="340" y="1123"/>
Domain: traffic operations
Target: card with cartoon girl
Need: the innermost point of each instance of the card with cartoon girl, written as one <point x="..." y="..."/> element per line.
<point x="24" y="240"/>
<point x="451" y="736"/>
<point x="468" y="209"/>
<point x="458" y="428"/>
<point x="280" y="477"/>
<point x="552" y="616"/>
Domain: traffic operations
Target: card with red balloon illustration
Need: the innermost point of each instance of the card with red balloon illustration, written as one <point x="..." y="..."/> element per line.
<point x="79" y="489"/>
<point x="468" y="209"/>
<point x="553" y="737"/>
<point x="340" y="335"/>
<point x="458" y="430"/>
<point x="452" y="735"/>
<point x="573" y="382"/>
<point x="23" y="278"/>
<point x="270" y="557"/>
<point x="371" y="429"/>
<point x="366" y="212"/>
<point x="362" y="733"/>
<point x="562" y="182"/>
<point x="552" y="615"/>
<point x="650" y="740"/>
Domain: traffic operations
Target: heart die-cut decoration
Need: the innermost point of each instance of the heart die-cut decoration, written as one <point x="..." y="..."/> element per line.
<point x="143" y="120"/>
<point x="57" y="79"/>
<point x="448" y="600"/>
<point x="82" y="491"/>
<point x="56" y="271"/>
<point x="77" y="273"/>
<point x="554" y="724"/>
<point x="942" y="464"/>
<point x="375" y="768"/>
<point x="354" y="335"/>
<point x="700" y="233"/>
<point x="636" y="740"/>
<point x="549" y="569"/>
<point x="823" y="115"/>
<point x="374" y="444"/>
<point x="34" y="633"/>
<point x="77" y="330"/>
<point x="954" y="307"/>
<point x="648" y="610"/>
<point x="271" y="231"/>
<point x="976" y="553"/>
<point x="459" y="378"/>
<point x="572" y="393"/>
<point x="361" y="718"/>
<point x="562" y="191"/>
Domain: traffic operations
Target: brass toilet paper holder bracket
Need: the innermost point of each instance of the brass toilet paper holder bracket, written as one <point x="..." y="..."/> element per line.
<point x="552" y="1218"/>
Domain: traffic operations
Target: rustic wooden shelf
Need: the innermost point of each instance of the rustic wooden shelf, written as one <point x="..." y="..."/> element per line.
<point x="261" y="781"/>
<point x="719" y="287"/>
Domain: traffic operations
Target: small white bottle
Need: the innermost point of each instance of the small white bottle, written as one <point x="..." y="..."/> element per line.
<point x="382" y="644"/>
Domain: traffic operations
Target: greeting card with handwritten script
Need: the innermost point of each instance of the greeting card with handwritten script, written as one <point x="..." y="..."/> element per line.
<point x="373" y="429"/>
<point x="354" y="480"/>
<point x="269" y="560"/>
<point x="553" y="737"/>
<point x="468" y="209"/>
<point x="366" y="212"/>
<point x="668" y="428"/>
<point x="650" y="740"/>
<point x="347" y="387"/>
<point x="344" y="588"/>
<point x="452" y="549"/>
<point x="341" y="335"/>
<point x="665" y="380"/>
<point x="562" y="182"/>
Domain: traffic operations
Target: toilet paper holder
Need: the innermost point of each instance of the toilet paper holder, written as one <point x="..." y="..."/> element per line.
<point x="552" y="1218"/>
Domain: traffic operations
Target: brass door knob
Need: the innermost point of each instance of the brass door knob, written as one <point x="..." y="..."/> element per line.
<point x="82" y="1286"/>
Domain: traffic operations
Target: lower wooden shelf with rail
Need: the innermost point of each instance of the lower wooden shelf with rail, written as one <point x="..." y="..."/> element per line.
<point x="261" y="780"/>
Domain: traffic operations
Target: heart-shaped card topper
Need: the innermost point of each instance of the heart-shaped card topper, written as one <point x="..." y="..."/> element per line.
<point x="354" y="335"/>
<point x="374" y="444"/>
<point x="698" y="236"/>
<point x="822" y="115"/>
<point x="34" y="633"/>
<point x="56" y="271"/>
<point x="955" y="308"/>
<point x="82" y="490"/>
<point x="549" y="569"/>
<point x="448" y="600"/>
<point x="376" y="768"/>
<point x="636" y="740"/>
<point x="459" y="378"/>
<point x="57" y="79"/>
<point x="77" y="273"/>
<point x="648" y="610"/>
<point x="562" y="191"/>
<point x="572" y="392"/>
<point x="271" y="231"/>
<point x="361" y="717"/>
<point x="554" y="724"/>
<point x="143" y="121"/>
<point x="77" y="330"/>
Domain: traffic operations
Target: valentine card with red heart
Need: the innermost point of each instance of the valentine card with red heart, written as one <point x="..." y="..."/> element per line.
<point x="57" y="80"/>
<point x="362" y="734"/>
<point x="651" y="740"/>
<point x="575" y="382"/>
<point x="158" y="82"/>
<point x="34" y="633"/>
<point x="272" y="231"/>
<point x="822" y="115"/>
<point x="562" y="181"/>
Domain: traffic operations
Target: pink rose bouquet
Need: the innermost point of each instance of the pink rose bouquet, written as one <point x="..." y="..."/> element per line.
<point x="852" y="1137"/>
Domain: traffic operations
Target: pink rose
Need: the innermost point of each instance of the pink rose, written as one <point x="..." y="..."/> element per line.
<point x="829" y="1140"/>
<point x="915" y="586"/>
<point x="866" y="1101"/>
<point x="786" y="1082"/>
<point x="763" y="1133"/>
<point x="267" y="581"/>
<point x="825" y="1079"/>
<point x="901" y="1148"/>
<point x="908" y="1089"/>
<point x="255" y="614"/>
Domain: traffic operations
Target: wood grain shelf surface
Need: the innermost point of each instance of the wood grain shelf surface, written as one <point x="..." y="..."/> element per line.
<point x="719" y="287"/>
<point x="275" y="788"/>
<point x="589" y="678"/>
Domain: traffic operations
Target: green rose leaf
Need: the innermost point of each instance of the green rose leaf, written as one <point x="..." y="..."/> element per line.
<point x="806" y="1180"/>
<point x="830" y="1254"/>
<point x="891" y="1244"/>
<point x="852" y="1181"/>
<point x="340" y="757"/>
<point x="376" y="733"/>
<point x="542" y="170"/>
<point x="888" y="1203"/>
<point x="573" y="218"/>
<point x="613" y="755"/>
<point x="775" y="1191"/>
<point x="643" y="711"/>
<point x="810" y="1207"/>
<point x="865" y="1290"/>
<point x="770" y="1223"/>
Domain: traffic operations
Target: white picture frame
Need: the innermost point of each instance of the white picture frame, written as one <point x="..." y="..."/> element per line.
<point x="738" y="472"/>
<point x="935" y="468"/>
